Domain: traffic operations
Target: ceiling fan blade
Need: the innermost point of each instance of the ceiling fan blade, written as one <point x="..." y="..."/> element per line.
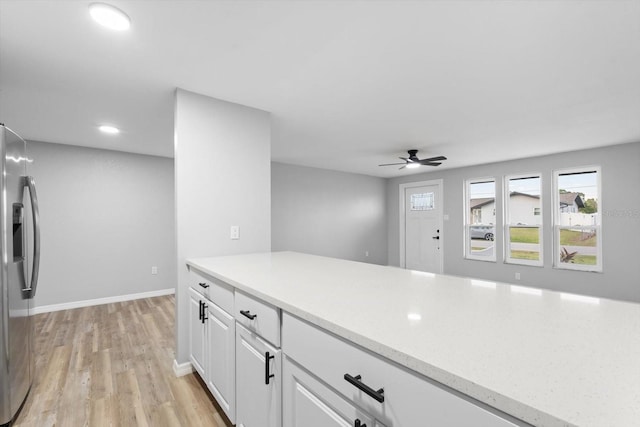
<point x="433" y="159"/>
<point x="391" y="164"/>
<point x="413" y="160"/>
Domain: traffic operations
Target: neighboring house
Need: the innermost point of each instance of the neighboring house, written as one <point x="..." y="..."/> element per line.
<point x="525" y="209"/>
<point x="483" y="211"/>
<point x="570" y="202"/>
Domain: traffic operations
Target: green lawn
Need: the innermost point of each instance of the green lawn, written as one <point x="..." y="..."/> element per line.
<point x="567" y="237"/>
<point x="584" y="259"/>
<point x="576" y="238"/>
<point x="578" y="259"/>
<point x="525" y="255"/>
<point x="525" y="235"/>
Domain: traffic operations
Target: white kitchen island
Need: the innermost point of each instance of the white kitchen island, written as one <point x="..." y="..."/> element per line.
<point x="547" y="358"/>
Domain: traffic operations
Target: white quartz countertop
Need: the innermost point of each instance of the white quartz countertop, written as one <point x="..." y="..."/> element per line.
<point x="548" y="358"/>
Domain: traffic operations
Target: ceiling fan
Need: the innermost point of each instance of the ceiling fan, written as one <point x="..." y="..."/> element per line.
<point x="413" y="161"/>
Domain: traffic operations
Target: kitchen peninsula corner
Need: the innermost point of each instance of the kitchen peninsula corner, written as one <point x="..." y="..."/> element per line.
<point x="371" y="345"/>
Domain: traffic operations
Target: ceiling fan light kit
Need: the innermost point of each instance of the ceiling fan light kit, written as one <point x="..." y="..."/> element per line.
<point x="413" y="161"/>
<point x="109" y="16"/>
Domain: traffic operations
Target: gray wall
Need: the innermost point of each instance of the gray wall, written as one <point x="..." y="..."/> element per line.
<point x="223" y="161"/>
<point x="107" y="218"/>
<point x="620" y="222"/>
<point x="328" y="213"/>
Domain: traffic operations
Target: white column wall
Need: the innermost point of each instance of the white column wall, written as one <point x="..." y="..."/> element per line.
<point x="223" y="178"/>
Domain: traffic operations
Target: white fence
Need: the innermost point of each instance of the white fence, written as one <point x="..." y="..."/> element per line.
<point x="577" y="219"/>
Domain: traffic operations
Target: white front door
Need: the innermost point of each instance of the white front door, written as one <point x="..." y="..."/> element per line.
<point x="422" y="219"/>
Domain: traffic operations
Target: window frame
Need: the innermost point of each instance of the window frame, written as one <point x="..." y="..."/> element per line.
<point x="598" y="267"/>
<point x="468" y="218"/>
<point x="507" y="224"/>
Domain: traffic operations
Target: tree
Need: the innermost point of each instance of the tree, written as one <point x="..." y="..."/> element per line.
<point x="590" y="206"/>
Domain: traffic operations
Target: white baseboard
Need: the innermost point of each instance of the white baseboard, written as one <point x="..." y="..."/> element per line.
<point x="182" y="369"/>
<point x="100" y="301"/>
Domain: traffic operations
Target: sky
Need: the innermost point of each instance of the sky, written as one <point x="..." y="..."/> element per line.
<point x="586" y="183"/>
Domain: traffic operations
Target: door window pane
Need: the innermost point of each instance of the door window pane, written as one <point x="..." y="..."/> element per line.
<point x="422" y="202"/>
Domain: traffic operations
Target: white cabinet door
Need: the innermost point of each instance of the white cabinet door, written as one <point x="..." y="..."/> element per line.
<point x="308" y="402"/>
<point x="222" y="365"/>
<point x="197" y="337"/>
<point x="258" y="379"/>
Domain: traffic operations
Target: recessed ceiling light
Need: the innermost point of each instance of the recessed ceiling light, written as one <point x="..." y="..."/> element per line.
<point x="109" y="129"/>
<point x="414" y="316"/>
<point x="109" y="16"/>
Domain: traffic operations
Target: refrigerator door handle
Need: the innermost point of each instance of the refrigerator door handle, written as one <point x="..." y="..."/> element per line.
<point x="30" y="183"/>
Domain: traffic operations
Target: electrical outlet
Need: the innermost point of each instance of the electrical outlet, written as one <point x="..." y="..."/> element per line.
<point x="235" y="232"/>
<point x="366" y="253"/>
<point x="517" y="276"/>
<point x="154" y="270"/>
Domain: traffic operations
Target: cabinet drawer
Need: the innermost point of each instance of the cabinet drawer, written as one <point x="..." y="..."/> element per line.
<point x="215" y="290"/>
<point x="409" y="399"/>
<point x="258" y="316"/>
<point x="307" y="401"/>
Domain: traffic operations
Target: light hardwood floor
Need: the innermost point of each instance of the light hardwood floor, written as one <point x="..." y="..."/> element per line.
<point x="111" y="365"/>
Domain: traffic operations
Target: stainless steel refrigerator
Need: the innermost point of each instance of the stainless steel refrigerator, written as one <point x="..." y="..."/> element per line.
<point x="20" y="251"/>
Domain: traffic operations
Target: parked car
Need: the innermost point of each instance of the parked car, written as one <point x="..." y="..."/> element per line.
<point x="485" y="232"/>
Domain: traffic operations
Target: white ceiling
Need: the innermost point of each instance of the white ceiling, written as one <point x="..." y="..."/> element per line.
<point x="350" y="84"/>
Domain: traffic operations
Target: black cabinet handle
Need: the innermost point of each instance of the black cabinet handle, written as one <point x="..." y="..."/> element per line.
<point x="200" y="310"/>
<point x="204" y="285"/>
<point x="247" y="313"/>
<point x="436" y="237"/>
<point x="204" y="313"/>
<point x="267" y="375"/>
<point x="357" y="382"/>
<point x="358" y="423"/>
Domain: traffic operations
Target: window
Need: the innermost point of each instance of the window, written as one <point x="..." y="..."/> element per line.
<point x="523" y="222"/>
<point x="480" y="219"/>
<point x="577" y="219"/>
<point x="422" y="202"/>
